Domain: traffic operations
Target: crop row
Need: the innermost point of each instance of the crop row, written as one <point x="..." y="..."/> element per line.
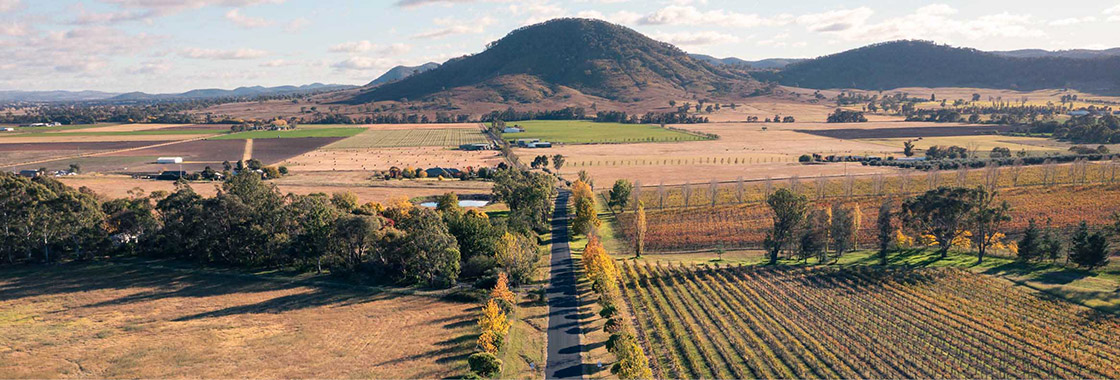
<point x="786" y="322"/>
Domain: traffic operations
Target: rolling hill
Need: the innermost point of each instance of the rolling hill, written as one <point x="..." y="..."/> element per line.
<point x="925" y="64"/>
<point x="565" y="56"/>
<point x="237" y="92"/>
<point x="762" y="64"/>
<point x="401" y="72"/>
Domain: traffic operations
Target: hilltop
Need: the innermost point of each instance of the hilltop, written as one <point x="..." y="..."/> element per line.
<point x="401" y="72"/>
<point x="925" y="64"/>
<point x="562" y="56"/>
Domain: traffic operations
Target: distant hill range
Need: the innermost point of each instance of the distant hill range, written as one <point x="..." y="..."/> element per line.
<point x="401" y="72"/>
<point x="108" y="97"/>
<point x="765" y="64"/>
<point x="925" y="64"/>
<point x="1073" y="53"/>
<point x="562" y="57"/>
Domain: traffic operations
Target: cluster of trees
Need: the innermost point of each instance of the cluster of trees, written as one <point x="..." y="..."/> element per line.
<point x="952" y="152"/>
<point x="945" y="217"/>
<point x="804" y="232"/>
<point x="510" y="114"/>
<point x="1082" y="129"/>
<point x="385" y="118"/>
<point x="542" y="162"/>
<point x="631" y="362"/>
<point x="251" y="224"/>
<point x="846" y="116"/>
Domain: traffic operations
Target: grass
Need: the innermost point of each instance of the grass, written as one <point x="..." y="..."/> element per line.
<point x="983" y="144"/>
<point x="523" y="356"/>
<point x="589" y="132"/>
<point x="58" y="128"/>
<point x="154" y="132"/>
<point x="295" y="133"/>
<point x="137" y="318"/>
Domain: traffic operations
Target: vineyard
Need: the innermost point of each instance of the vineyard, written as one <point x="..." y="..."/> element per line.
<point x="404" y="138"/>
<point x="906" y="182"/>
<point x="745" y="225"/>
<point x="796" y="322"/>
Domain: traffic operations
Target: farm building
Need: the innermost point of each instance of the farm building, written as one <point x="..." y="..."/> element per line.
<point x="171" y="175"/>
<point x="1078" y="113"/>
<point x="539" y="144"/>
<point x="169" y="160"/>
<point x="474" y="147"/>
<point x="445" y="172"/>
<point x="524" y="143"/>
<point x="514" y="129"/>
<point x="7" y="129"/>
<point x="52" y="124"/>
<point x="29" y="173"/>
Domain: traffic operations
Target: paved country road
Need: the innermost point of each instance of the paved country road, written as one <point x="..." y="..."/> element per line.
<point x="564" y="361"/>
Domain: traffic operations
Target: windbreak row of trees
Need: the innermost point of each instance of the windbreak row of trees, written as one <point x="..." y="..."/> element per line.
<point x="250" y="224"/>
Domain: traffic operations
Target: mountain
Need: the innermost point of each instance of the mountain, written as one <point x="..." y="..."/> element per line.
<point x="764" y="64"/>
<point x="925" y="64"/>
<point x="401" y="72"/>
<point x="237" y="92"/>
<point x="1073" y="53"/>
<point x="53" y="96"/>
<point x="590" y="57"/>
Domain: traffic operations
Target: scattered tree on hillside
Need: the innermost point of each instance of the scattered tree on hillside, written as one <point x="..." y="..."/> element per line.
<point x="620" y="195"/>
<point x="1088" y="249"/>
<point x="886" y="230"/>
<point x="987" y="220"/>
<point x="640" y="226"/>
<point x="941" y="212"/>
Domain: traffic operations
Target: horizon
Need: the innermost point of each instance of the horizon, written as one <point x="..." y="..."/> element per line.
<point x="150" y="46"/>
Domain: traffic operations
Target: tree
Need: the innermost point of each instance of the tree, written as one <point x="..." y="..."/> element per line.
<point x="448" y="202"/>
<point x="501" y="290"/>
<point x="814" y="236"/>
<point x="494" y="325"/>
<point x="1030" y="246"/>
<point x="620" y="194"/>
<point x="540" y="162"/>
<point x="518" y="255"/>
<point x="1088" y="249"/>
<point x="632" y="361"/>
<point x="886" y="230"/>
<point x="357" y="237"/>
<point x="788" y="212"/>
<point x="345" y="201"/>
<point x="987" y="219"/>
<point x="908" y="148"/>
<point x="941" y="212"/>
<point x="586" y="220"/>
<point x="842" y="230"/>
<point x="485" y="364"/>
<point x="316" y="216"/>
<point x="427" y="253"/>
<point x="558" y="162"/>
<point x="640" y="226"/>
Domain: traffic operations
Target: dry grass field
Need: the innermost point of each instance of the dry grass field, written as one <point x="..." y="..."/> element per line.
<point x="384" y="158"/>
<point x="398" y="138"/>
<point x="100" y="320"/>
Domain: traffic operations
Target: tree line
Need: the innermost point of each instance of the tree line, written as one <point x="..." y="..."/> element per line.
<point x="250" y="224"/>
<point x="945" y="217"/>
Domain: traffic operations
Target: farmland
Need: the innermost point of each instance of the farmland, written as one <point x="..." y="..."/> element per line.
<point x="142" y="320"/>
<point x="860" y="323"/>
<point x="291" y="134"/>
<point x="401" y="138"/>
<point x="588" y="132"/>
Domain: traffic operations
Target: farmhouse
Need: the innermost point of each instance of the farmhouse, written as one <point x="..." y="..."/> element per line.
<point x="539" y="144"/>
<point x="51" y="124"/>
<point x="29" y="173"/>
<point x="169" y="160"/>
<point x="171" y="175"/>
<point x="444" y="172"/>
<point x="1079" y="113"/>
<point x="524" y="143"/>
<point x="7" y="129"/>
<point x="513" y="129"/>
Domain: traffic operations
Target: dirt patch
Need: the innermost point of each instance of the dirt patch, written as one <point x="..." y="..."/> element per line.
<point x="271" y="151"/>
<point x="383" y="159"/>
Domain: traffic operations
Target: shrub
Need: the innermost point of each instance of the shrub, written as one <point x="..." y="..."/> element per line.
<point x="485" y="364"/>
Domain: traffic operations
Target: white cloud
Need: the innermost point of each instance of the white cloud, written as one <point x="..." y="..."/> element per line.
<point x="152" y="68"/>
<point x="353" y="47"/>
<point x="197" y="53"/>
<point x="234" y="15"/>
<point x="1072" y="21"/>
<point x="10" y="6"/>
<point x="1113" y="13"/>
<point x="449" y="26"/>
<point x="537" y="12"/>
<point x="932" y="22"/>
<point x="278" y="63"/>
<point x="364" y="64"/>
<point x="695" y="38"/>
<point x="689" y="15"/>
<point x="13" y="28"/>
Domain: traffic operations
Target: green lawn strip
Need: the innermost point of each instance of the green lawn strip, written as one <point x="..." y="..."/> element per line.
<point x="154" y="132"/>
<point x="295" y="133"/>
<point x="589" y="132"/>
<point x="56" y="129"/>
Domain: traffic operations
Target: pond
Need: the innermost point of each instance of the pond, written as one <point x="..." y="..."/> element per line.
<point x="462" y="203"/>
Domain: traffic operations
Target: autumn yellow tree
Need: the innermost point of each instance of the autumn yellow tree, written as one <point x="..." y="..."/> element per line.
<point x="501" y="289"/>
<point x="581" y="189"/>
<point x="494" y="325"/>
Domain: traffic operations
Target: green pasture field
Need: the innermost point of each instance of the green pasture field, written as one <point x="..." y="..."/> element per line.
<point x="404" y="138"/>
<point x="295" y="133"/>
<point x="589" y="132"/>
<point x="54" y="129"/>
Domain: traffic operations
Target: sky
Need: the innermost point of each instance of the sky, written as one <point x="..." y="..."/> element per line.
<point x="160" y="46"/>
